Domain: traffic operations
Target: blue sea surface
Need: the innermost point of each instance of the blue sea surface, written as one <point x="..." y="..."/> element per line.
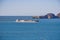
<point x="45" y="29"/>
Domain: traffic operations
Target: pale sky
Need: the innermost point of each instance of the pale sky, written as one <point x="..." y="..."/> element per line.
<point x="28" y="7"/>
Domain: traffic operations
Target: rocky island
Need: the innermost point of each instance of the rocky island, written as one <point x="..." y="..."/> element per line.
<point x="47" y="16"/>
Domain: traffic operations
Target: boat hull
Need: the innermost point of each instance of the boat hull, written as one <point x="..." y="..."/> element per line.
<point x="26" y="21"/>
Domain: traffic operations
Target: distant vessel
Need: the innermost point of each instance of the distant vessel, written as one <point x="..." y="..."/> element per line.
<point x="26" y="20"/>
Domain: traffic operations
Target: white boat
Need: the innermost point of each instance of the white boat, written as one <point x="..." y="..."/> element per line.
<point x="29" y="21"/>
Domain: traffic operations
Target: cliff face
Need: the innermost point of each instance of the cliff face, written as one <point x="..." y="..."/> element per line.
<point x="58" y="15"/>
<point x="50" y="15"/>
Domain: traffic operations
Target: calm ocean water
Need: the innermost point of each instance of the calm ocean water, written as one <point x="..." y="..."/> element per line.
<point x="46" y="29"/>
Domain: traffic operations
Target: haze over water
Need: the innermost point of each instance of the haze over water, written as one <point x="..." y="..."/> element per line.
<point x="28" y="7"/>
